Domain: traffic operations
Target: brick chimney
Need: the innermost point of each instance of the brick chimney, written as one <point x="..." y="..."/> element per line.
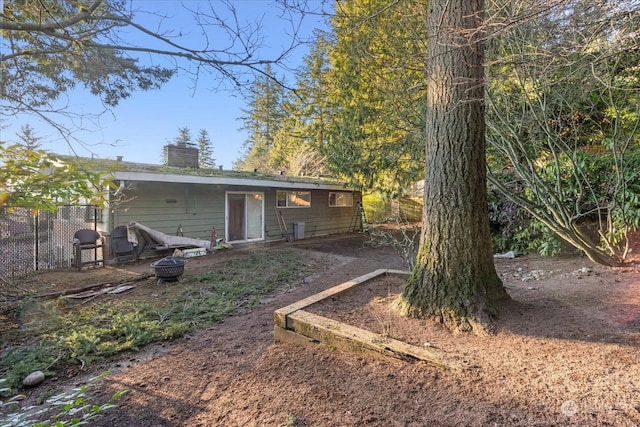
<point x="181" y="157"/>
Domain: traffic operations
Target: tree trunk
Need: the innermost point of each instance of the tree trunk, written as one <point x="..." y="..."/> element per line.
<point x="454" y="278"/>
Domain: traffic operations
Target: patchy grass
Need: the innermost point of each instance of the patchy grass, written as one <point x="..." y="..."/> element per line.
<point x="70" y="408"/>
<point x="63" y="334"/>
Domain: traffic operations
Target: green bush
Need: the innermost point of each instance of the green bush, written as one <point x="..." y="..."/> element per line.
<point x="591" y="191"/>
<point x="376" y="207"/>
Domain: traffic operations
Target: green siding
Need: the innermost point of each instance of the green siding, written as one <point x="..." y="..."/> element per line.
<point x="319" y="219"/>
<point x="166" y="206"/>
<point x="200" y="207"/>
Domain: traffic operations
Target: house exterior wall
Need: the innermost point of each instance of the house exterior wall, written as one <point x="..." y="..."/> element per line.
<point x="165" y="207"/>
<point x="197" y="208"/>
<point x="319" y="219"/>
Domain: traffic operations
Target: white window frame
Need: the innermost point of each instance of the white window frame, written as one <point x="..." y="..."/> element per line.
<point x="336" y="199"/>
<point x="247" y="217"/>
<point x="288" y="199"/>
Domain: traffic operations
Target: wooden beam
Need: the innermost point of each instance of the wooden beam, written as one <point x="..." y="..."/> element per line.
<point x="347" y="337"/>
<point x="280" y="315"/>
<point x="296" y="326"/>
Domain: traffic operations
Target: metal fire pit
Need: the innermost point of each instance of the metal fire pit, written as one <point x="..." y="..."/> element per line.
<point x="168" y="269"/>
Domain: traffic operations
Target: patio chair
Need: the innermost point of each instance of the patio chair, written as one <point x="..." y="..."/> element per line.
<point x="121" y="248"/>
<point x="87" y="240"/>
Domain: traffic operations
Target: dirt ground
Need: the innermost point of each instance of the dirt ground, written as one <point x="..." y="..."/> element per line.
<point x="565" y="352"/>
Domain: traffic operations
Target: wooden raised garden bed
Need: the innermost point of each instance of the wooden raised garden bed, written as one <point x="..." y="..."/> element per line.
<point x="294" y="324"/>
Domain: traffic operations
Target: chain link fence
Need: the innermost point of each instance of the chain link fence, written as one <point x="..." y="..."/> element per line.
<point x="42" y="241"/>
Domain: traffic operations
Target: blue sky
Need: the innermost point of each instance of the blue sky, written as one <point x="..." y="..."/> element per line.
<point x="140" y="126"/>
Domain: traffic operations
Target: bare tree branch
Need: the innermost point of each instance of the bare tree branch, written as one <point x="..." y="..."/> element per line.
<point x="47" y="49"/>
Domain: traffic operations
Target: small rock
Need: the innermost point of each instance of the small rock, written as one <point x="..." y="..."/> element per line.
<point x="533" y="275"/>
<point x="569" y="408"/>
<point x="33" y="379"/>
<point x="509" y="255"/>
<point x="583" y="270"/>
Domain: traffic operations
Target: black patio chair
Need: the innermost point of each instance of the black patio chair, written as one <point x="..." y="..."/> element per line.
<point x="121" y="248"/>
<point x="85" y="240"/>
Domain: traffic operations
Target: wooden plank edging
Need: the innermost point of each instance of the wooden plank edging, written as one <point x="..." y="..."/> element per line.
<point x="280" y="315"/>
<point x="294" y="325"/>
<point x="341" y="335"/>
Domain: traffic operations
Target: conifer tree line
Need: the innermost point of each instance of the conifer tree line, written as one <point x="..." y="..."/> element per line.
<point x="562" y="83"/>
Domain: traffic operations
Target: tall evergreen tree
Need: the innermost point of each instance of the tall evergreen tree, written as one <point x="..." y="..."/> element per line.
<point x="30" y="140"/>
<point x="293" y="144"/>
<point x="310" y="107"/>
<point x="262" y="121"/>
<point x="375" y="134"/>
<point x="184" y="138"/>
<point x="205" y="150"/>
<point x="454" y="278"/>
<point x="562" y="80"/>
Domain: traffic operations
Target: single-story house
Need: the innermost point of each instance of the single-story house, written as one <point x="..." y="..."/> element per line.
<point x="196" y="204"/>
<point x="239" y="207"/>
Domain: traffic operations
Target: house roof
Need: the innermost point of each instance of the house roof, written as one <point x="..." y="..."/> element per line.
<point x="129" y="171"/>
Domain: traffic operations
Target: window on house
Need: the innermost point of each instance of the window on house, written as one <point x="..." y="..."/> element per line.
<point x="338" y="200"/>
<point x="293" y="199"/>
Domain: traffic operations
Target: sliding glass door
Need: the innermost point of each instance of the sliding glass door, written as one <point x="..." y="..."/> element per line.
<point x="245" y="216"/>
